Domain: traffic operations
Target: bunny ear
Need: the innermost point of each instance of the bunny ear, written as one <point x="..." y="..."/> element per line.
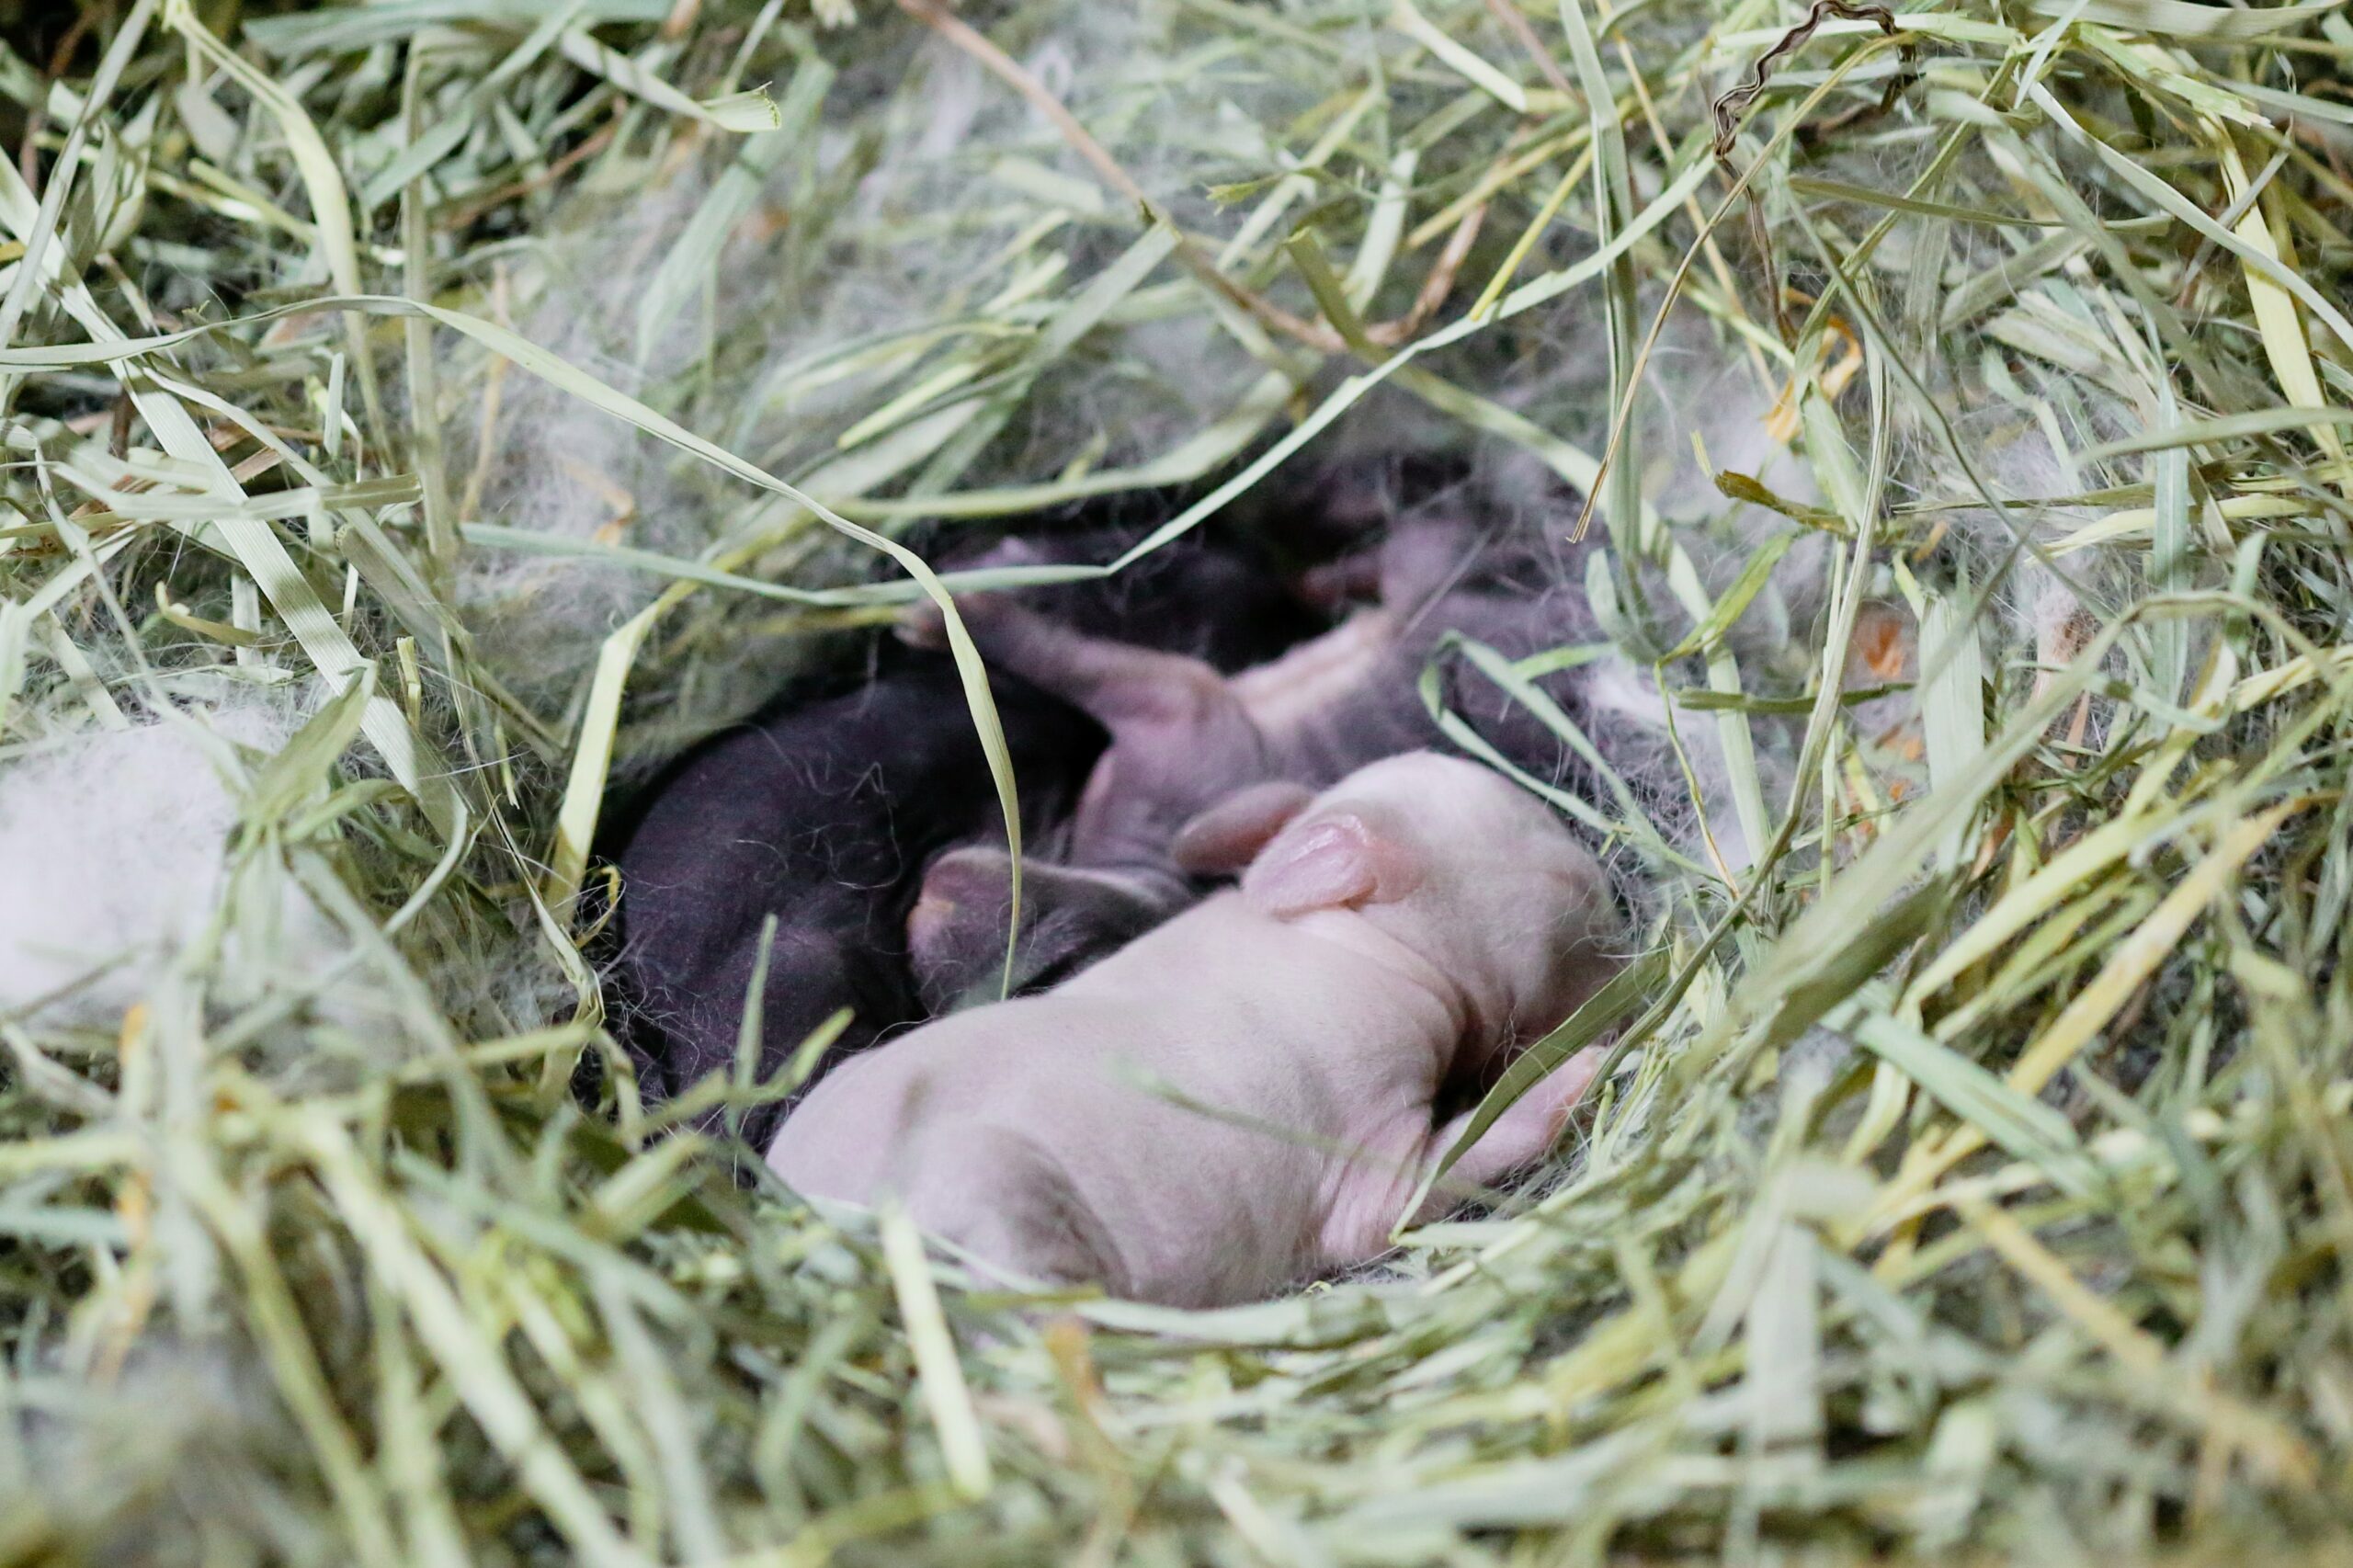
<point x="1228" y="836"/>
<point x="1333" y="862"/>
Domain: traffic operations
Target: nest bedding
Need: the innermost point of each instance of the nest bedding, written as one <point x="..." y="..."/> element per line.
<point x="425" y="417"/>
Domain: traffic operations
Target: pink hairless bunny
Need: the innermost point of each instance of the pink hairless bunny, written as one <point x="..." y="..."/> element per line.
<point x="1248" y="1094"/>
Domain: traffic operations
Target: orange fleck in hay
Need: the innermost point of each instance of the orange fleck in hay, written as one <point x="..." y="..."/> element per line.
<point x="2080" y="725"/>
<point x="1885" y="651"/>
<point x="1782" y="423"/>
<point x="1995" y="841"/>
<point x="2067" y="636"/>
<point x="2058" y="645"/>
<point x="1885" y="647"/>
<point x="1836" y="379"/>
<point x="765" y="224"/>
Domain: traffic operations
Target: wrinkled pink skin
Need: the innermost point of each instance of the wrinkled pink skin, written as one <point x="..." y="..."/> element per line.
<point x="1401" y="934"/>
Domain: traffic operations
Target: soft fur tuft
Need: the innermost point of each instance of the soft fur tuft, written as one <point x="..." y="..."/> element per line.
<point x="119" y="841"/>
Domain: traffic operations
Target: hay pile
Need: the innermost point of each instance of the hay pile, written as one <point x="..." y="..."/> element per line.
<point x="420" y="414"/>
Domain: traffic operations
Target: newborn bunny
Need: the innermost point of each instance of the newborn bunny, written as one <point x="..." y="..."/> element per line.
<point x="821" y="814"/>
<point x="1392" y="939"/>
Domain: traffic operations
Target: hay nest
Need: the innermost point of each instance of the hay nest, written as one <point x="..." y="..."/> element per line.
<point x="421" y="414"/>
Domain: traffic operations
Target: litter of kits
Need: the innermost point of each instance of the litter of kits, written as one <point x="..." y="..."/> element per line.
<point x="1189" y="1094"/>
